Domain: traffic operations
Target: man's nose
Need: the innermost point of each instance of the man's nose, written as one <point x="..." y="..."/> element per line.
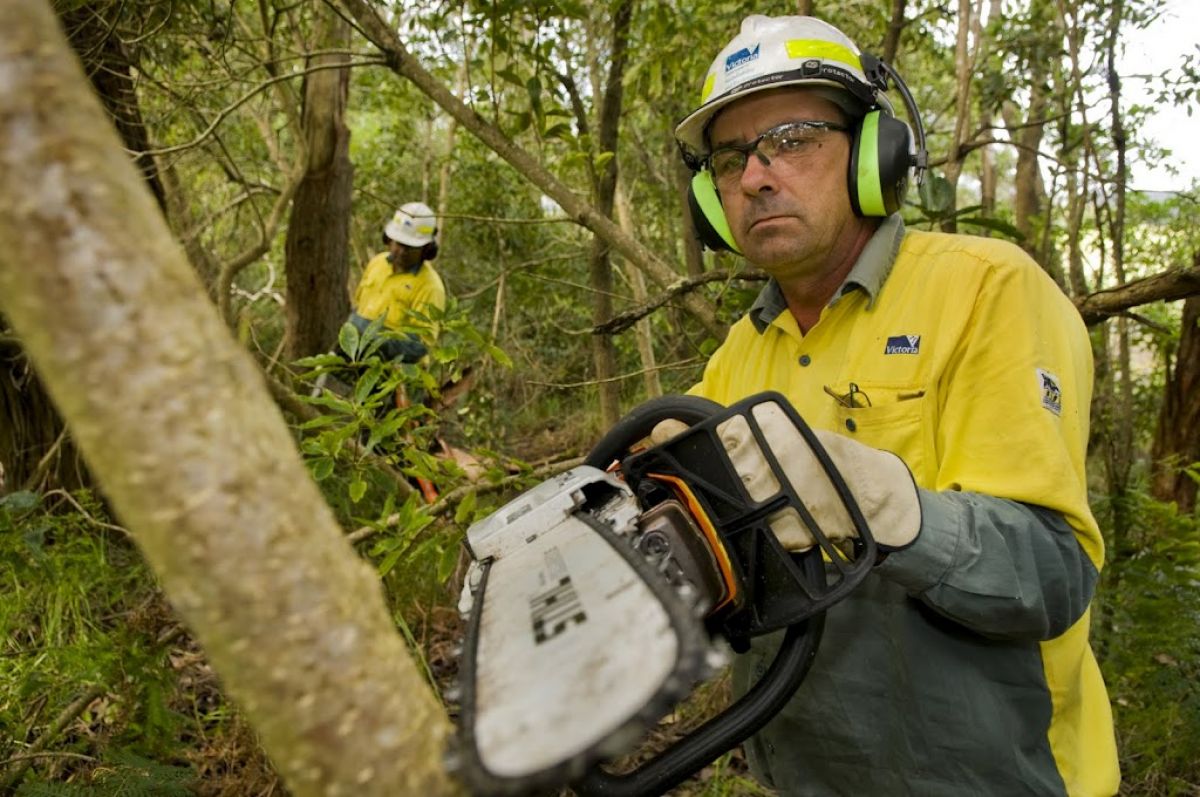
<point x="757" y="175"/>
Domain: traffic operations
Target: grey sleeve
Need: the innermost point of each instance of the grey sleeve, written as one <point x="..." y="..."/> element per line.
<point x="998" y="567"/>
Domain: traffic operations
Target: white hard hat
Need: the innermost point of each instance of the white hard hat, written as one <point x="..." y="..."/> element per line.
<point x="413" y="225"/>
<point x="770" y="52"/>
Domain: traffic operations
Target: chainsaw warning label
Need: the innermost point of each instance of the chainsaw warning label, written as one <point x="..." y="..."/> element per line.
<point x="555" y="609"/>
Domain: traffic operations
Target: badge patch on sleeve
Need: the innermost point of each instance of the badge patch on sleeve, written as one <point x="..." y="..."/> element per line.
<point x="1051" y="391"/>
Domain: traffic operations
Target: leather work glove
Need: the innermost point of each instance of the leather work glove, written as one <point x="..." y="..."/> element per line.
<point x="879" y="480"/>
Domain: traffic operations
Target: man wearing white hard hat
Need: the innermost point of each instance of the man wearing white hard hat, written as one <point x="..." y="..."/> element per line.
<point x="401" y="284"/>
<point x="949" y="379"/>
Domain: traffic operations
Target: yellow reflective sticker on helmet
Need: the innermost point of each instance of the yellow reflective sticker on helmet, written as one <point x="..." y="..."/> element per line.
<point x="816" y="48"/>
<point x="426" y="229"/>
<point x="709" y="82"/>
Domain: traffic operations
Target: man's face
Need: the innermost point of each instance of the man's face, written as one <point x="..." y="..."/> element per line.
<point x="792" y="217"/>
<point x="404" y="257"/>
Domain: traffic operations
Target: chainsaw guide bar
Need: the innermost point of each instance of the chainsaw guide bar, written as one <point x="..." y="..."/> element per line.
<point x="578" y="645"/>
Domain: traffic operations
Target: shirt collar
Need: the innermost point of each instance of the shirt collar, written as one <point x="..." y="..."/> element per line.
<point x="867" y="274"/>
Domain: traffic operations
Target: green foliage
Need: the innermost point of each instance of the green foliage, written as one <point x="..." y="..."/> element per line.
<point x="1149" y="607"/>
<point x="121" y="774"/>
<point x="376" y="411"/>
<point x="77" y="615"/>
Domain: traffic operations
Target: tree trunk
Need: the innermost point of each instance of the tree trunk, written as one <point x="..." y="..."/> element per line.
<point x="92" y="29"/>
<point x="637" y="283"/>
<point x="318" y="236"/>
<point x="693" y="254"/>
<point x="1177" y="437"/>
<point x="36" y="453"/>
<point x="600" y="276"/>
<point x="963" y="63"/>
<point x="896" y="23"/>
<point x="192" y="453"/>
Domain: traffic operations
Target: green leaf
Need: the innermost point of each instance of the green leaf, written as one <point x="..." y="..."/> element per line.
<point x="499" y="355"/>
<point x="348" y="339"/>
<point x="999" y="226"/>
<point x="20" y="501"/>
<point x="602" y="160"/>
<point x="937" y="195"/>
<point x="366" y="382"/>
<point x="447" y="562"/>
<point x="561" y="130"/>
<point x="389" y="561"/>
<point x="326" y="360"/>
<point x="319" y="421"/>
<point x="358" y="488"/>
<point x="465" y="511"/>
<point x="332" y="402"/>
<point x="321" y="468"/>
<point x="511" y="76"/>
<point x="534" y="87"/>
<point x="521" y="123"/>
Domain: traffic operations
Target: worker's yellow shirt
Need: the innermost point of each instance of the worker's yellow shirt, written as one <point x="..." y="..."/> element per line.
<point x="968" y="362"/>
<point x="394" y="295"/>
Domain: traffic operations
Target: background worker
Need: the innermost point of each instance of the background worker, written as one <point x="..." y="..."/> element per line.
<point x="401" y="282"/>
<point x="950" y="381"/>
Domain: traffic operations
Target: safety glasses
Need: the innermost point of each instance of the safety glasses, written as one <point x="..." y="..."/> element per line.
<point x="791" y="141"/>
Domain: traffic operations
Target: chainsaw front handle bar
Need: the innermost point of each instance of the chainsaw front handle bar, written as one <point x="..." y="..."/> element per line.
<point x="642" y="419"/>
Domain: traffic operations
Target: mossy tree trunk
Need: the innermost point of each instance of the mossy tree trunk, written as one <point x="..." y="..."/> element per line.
<point x="318" y="237"/>
<point x="191" y="451"/>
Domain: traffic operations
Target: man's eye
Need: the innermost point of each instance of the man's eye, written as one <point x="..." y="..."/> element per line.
<point x="727" y="162"/>
<point x="793" y="141"/>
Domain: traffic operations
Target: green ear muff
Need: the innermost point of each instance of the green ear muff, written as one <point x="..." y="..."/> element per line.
<point x="880" y="162"/>
<point x="712" y="228"/>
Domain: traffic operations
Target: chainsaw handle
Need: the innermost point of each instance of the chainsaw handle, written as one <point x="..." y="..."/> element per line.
<point x="641" y="421"/>
<point x="723" y="732"/>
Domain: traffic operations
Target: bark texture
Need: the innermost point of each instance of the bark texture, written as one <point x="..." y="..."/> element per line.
<point x="1177" y="438"/>
<point x="318" y="236"/>
<point x="192" y="453"/>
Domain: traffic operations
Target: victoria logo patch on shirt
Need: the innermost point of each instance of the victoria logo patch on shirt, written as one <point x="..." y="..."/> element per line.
<point x="903" y="344"/>
<point x="1051" y="391"/>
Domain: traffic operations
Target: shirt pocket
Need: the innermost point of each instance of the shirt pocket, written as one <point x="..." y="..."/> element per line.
<point x="889" y="417"/>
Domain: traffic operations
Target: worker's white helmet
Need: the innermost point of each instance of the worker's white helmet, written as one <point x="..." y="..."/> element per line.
<point x="413" y="225"/>
<point x="770" y="52"/>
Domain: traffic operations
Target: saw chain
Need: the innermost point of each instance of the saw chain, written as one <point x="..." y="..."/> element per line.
<point x="599" y="598"/>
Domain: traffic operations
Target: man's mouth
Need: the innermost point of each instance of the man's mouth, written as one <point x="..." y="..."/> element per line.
<point x="765" y="219"/>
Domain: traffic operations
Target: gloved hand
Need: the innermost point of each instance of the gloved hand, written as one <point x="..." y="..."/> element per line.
<point x="879" y="480"/>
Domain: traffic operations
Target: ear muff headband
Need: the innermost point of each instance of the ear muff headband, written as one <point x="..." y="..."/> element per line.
<point x="712" y="228"/>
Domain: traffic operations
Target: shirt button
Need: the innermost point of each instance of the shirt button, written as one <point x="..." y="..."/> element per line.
<point x="850" y="424"/>
<point x="805" y="360"/>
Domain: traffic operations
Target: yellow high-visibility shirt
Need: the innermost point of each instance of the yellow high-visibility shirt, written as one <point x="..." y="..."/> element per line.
<point x="394" y="295"/>
<point x="965" y="658"/>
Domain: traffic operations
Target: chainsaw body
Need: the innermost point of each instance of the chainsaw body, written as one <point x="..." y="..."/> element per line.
<point x="602" y="595"/>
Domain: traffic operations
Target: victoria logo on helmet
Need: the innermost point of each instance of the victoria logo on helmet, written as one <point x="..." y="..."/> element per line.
<point x="742" y="56"/>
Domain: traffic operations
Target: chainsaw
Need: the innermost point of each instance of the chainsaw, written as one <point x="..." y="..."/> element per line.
<point x="598" y="599"/>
